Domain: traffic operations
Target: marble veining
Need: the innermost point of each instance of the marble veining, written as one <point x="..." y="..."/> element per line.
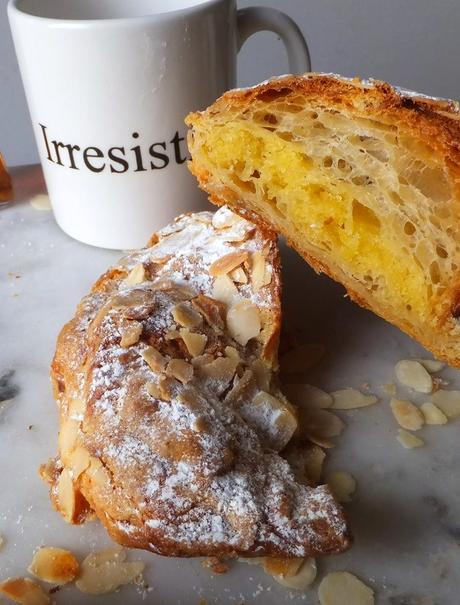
<point x="405" y="513"/>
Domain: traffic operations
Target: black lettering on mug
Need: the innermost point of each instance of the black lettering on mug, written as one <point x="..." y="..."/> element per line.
<point x="158" y="155"/>
<point x="118" y="160"/>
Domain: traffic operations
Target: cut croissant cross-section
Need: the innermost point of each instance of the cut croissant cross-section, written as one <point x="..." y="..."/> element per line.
<point x="360" y="177"/>
<point x="176" y="445"/>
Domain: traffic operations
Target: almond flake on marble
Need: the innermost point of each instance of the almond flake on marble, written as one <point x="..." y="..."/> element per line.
<point x="54" y="565"/>
<point x="432" y="365"/>
<point x="320" y="424"/>
<point x="432" y="414"/>
<point x="156" y="361"/>
<point x="185" y="315"/>
<point x="105" y="571"/>
<point x="226" y="264"/>
<point x="131" y="334"/>
<point x="408" y="440"/>
<point x="342" y="485"/>
<point x="243" y="322"/>
<point x="350" y="399"/>
<point x="343" y="588"/>
<point x="41" y="202"/>
<point x="301" y="358"/>
<point x="448" y="402"/>
<point x="24" y="591"/>
<point x="412" y="374"/>
<point x="224" y="290"/>
<point x="194" y="342"/>
<point x="180" y="369"/>
<point x="283" y="567"/>
<point x="407" y="415"/>
<point x="307" y="395"/>
<point x="136" y="276"/>
<point x="303" y="579"/>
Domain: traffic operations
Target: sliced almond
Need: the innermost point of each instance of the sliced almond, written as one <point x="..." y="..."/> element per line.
<point x="156" y="361"/>
<point x="66" y="496"/>
<point x="432" y="365"/>
<point x="24" y="591"/>
<point x="41" y="202"/>
<point x="306" y="462"/>
<point x="412" y="374"/>
<point x="283" y="418"/>
<point x="185" y="315"/>
<point x="308" y="395"/>
<point x="432" y="414"/>
<point x="224" y="290"/>
<point x="106" y="571"/>
<point x="195" y="343"/>
<point x="239" y="276"/>
<point x="342" y="485"/>
<point x="222" y="369"/>
<point x="301" y="358"/>
<point x="285" y="568"/>
<point x="243" y="322"/>
<point x="341" y="587"/>
<point x="409" y="440"/>
<point x="161" y="390"/>
<point x="407" y="414"/>
<point x="180" y="369"/>
<point x="226" y="264"/>
<point x="202" y="360"/>
<point x="258" y="271"/>
<point x="78" y="461"/>
<point x="448" y="402"/>
<point x="68" y="435"/>
<point x="225" y="218"/>
<point x="136" y="276"/>
<point x="350" y="399"/>
<point x="131" y="334"/>
<point x="304" y="577"/>
<point x="212" y="310"/>
<point x="54" y="565"/>
<point x="318" y="423"/>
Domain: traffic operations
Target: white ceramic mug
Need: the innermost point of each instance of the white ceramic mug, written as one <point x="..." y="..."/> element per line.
<point x="109" y="82"/>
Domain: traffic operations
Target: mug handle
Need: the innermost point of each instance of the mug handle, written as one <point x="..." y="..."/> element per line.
<point x="258" y="18"/>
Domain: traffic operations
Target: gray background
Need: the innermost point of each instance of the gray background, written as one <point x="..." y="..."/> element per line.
<point x="413" y="43"/>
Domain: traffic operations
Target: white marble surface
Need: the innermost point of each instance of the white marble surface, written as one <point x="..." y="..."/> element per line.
<point x="405" y="514"/>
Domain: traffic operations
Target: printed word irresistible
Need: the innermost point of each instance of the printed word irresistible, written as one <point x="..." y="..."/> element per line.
<point x="116" y="159"/>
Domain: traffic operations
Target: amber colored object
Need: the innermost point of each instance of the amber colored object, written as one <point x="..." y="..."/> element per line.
<point x="6" y="188"/>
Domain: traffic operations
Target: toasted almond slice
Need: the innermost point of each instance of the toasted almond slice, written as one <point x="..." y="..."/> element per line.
<point x="136" y="276"/>
<point x="131" y="334"/>
<point x="24" y="591"/>
<point x="68" y="435"/>
<point x="239" y="276"/>
<point x="321" y="423"/>
<point x="341" y="587"/>
<point x="78" y="461"/>
<point x="304" y="577"/>
<point x="308" y="395"/>
<point x="243" y="322"/>
<point x="156" y="361"/>
<point x="448" y="402"/>
<point x="41" y="202"/>
<point x="306" y="462"/>
<point x="350" y="399"/>
<point x="202" y="360"/>
<point x="283" y="416"/>
<point x="407" y="414"/>
<point x="54" y="565"/>
<point x="412" y="374"/>
<point x="232" y="353"/>
<point x="258" y="270"/>
<point x="432" y="414"/>
<point x="180" y="369"/>
<point x="302" y="358"/>
<point x="222" y="369"/>
<point x="226" y="264"/>
<point x="262" y="373"/>
<point x="409" y="440"/>
<point x="280" y="566"/>
<point x="225" y="218"/>
<point x="195" y="343"/>
<point x="342" y="485"/>
<point x="106" y="571"/>
<point x="187" y="316"/>
<point x="66" y="496"/>
<point x="224" y="290"/>
<point x="160" y="390"/>
<point x="432" y="365"/>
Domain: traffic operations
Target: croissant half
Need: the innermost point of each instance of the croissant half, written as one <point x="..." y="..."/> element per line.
<point x="171" y="417"/>
<point x="360" y="177"/>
